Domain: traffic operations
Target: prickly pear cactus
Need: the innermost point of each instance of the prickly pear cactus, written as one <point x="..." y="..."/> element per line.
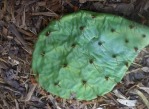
<point x="85" y="54"/>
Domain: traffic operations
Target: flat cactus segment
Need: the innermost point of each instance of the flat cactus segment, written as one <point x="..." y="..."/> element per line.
<point x="85" y="54"/>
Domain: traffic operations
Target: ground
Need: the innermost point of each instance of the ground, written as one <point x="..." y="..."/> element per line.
<point x="20" y="23"/>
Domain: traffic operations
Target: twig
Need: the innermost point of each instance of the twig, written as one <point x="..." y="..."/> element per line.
<point x="13" y="29"/>
<point x="8" y="88"/>
<point x="17" y="105"/>
<point x="30" y="93"/>
<point x="44" y="14"/>
<point x="141" y="95"/>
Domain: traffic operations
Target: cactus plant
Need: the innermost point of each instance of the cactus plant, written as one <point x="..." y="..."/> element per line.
<point x="85" y="54"/>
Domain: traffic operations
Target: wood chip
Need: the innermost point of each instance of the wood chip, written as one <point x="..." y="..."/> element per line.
<point x="129" y="103"/>
<point x="13" y="29"/>
<point x="142" y="96"/>
<point x="44" y="14"/>
<point x="30" y="93"/>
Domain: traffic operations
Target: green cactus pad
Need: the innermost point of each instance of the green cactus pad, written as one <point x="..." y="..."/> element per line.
<point x="85" y="54"/>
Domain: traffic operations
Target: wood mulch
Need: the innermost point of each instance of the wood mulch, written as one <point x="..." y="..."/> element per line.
<point x="20" y="23"/>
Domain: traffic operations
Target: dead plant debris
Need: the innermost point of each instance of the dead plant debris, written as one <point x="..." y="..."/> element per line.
<point x="20" y="23"/>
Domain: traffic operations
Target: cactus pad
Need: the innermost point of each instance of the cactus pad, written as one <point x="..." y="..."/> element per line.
<point x="85" y="54"/>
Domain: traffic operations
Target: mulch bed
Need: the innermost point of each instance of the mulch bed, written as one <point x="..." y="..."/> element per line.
<point x="20" y="23"/>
